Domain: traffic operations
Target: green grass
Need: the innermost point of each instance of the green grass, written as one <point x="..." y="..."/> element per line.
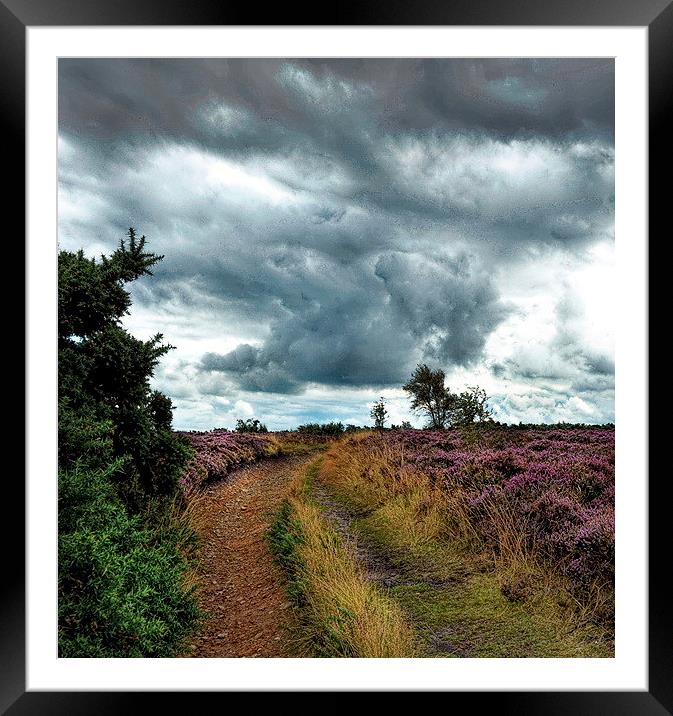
<point x="288" y="447"/>
<point x="429" y="561"/>
<point x="473" y="618"/>
<point x="285" y="536"/>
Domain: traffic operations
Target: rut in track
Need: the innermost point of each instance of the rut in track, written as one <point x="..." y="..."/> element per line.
<point x="241" y="588"/>
<point x="378" y="567"/>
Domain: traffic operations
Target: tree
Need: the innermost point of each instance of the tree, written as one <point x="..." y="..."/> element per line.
<point x="122" y="565"/>
<point x="332" y="429"/>
<point x="91" y="294"/>
<point x="405" y="425"/>
<point x="470" y="406"/>
<point x="251" y="425"/>
<point x="429" y="396"/>
<point x="378" y="413"/>
<point x="442" y="407"/>
<point x="104" y="373"/>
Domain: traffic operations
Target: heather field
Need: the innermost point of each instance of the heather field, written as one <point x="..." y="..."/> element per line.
<point x="546" y="494"/>
<point x="493" y="541"/>
<point x="480" y="541"/>
<point x="218" y="452"/>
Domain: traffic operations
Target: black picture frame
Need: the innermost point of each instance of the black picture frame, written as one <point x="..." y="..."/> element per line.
<point x="17" y="15"/>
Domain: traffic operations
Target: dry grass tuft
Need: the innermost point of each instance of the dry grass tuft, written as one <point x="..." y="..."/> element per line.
<point x="341" y="613"/>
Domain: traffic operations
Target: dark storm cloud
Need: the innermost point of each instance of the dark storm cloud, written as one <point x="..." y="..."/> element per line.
<point x="506" y="97"/>
<point x="600" y="364"/>
<point x="361" y="119"/>
<point x="347" y="216"/>
<point x="443" y="303"/>
<point x="368" y="324"/>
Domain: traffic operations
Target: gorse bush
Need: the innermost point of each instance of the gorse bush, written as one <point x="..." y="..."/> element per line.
<point x="121" y="569"/>
<point x="104" y="373"/>
<point x="122" y="592"/>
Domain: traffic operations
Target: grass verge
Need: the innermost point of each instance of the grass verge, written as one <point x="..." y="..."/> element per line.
<point x="340" y="613"/>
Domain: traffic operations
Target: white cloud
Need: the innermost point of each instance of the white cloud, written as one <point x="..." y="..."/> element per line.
<point x="244" y="408"/>
<point x="224" y="118"/>
<point x="498" y="179"/>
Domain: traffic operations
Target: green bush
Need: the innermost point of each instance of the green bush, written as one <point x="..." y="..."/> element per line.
<point x="124" y="548"/>
<point x="121" y="588"/>
<point x="104" y="374"/>
<point x="250" y="425"/>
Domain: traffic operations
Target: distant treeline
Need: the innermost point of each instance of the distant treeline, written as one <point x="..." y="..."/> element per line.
<point x="551" y="426"/>
<point x="326" y="429"/>
<point x="333" y="429"/>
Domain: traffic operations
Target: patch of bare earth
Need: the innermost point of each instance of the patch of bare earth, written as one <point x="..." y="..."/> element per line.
<point x="377" y="566"/>
<point x="240" y="586"/>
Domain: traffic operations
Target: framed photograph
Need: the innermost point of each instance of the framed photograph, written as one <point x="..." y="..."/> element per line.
<point x="341" y="331"/>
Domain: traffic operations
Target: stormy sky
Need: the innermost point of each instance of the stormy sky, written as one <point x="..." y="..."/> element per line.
<point x="329" y="224"/>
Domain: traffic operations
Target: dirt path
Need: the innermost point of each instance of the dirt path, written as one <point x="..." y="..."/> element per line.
<point x="378" y="567"/>
<point x="241" y="587"/>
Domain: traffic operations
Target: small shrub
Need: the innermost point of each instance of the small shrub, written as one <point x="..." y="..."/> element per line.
<point x="121" y="588"/>
<point x="250" y="425"/>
